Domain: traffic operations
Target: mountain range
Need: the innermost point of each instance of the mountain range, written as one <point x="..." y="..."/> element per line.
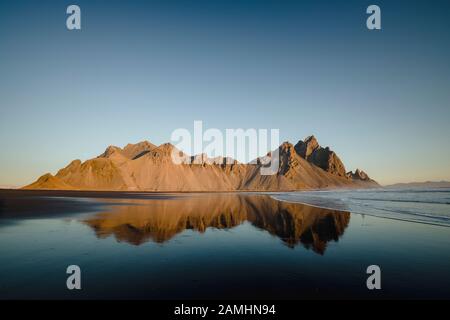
<point x="424" y="184"/>
<point x="146" y="167"/>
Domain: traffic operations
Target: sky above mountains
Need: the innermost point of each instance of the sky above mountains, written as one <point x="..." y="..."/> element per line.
<point x="140" y="69"/>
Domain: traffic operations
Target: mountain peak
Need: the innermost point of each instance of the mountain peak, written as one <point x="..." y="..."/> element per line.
<point x="286" y="146"/>
<point x="137" y="150"/>
<point x="158" y="169"/>
<point x="324" y="158"/>
<point x="109" y="151"/>
<point x="358" y="175"/>
<point x="311" y="139"/>
<point x="142" y="144"/>
<point x="305" y="148"/>
<point x="166" y="146"/>
<point x="49" y="181"/>
<point x="164" y="149"/>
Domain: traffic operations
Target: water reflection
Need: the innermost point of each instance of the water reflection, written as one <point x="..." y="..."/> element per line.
<point x="138" y="221"/>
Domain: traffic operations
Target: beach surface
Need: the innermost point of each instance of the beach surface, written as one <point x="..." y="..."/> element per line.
<point x="132" y="245"/>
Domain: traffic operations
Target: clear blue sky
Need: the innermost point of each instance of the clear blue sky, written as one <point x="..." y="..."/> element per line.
<point x="140" y="69"/>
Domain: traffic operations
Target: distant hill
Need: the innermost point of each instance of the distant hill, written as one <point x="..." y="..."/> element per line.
<point x="146" y="167"/>
<point x="425" y="184"/>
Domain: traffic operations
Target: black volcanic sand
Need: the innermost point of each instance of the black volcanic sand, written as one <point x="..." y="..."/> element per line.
<point x="53" y="203"/>
<point x="143" y="245"/>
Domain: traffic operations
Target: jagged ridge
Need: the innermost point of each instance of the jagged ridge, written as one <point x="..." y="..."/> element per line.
<point x="146" y="167"/>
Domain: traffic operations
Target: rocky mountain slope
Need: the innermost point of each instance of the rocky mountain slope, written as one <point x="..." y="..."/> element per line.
<point x="146" y="167"/>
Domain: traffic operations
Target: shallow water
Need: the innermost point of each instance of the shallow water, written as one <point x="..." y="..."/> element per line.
<point x="188" y="246"/>
<point x="416" y="205"/>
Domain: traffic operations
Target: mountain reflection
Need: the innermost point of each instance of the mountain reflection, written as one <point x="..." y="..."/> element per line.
<point x="158" y="220"/>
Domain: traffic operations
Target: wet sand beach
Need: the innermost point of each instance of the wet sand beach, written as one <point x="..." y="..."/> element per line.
<point x="210" y="246"/>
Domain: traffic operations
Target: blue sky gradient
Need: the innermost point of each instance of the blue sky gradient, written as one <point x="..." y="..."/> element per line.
<point x="140" y="69"/>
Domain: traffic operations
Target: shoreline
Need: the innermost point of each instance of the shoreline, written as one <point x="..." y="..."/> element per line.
<point x="362" y="214"/>
<point x="346" y="188"/>
<point x="370" y="211"/>
<point x="150" y="236"/>
<point x="13" y="195"/>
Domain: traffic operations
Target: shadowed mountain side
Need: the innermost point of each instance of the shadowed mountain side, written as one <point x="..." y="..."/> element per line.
<point x="145" y="167"/>
<point x="324" y="158"/>
<point x="159" y="220"/>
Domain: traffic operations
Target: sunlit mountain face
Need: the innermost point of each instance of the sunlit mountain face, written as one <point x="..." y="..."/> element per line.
<point x="138" y="221"/>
